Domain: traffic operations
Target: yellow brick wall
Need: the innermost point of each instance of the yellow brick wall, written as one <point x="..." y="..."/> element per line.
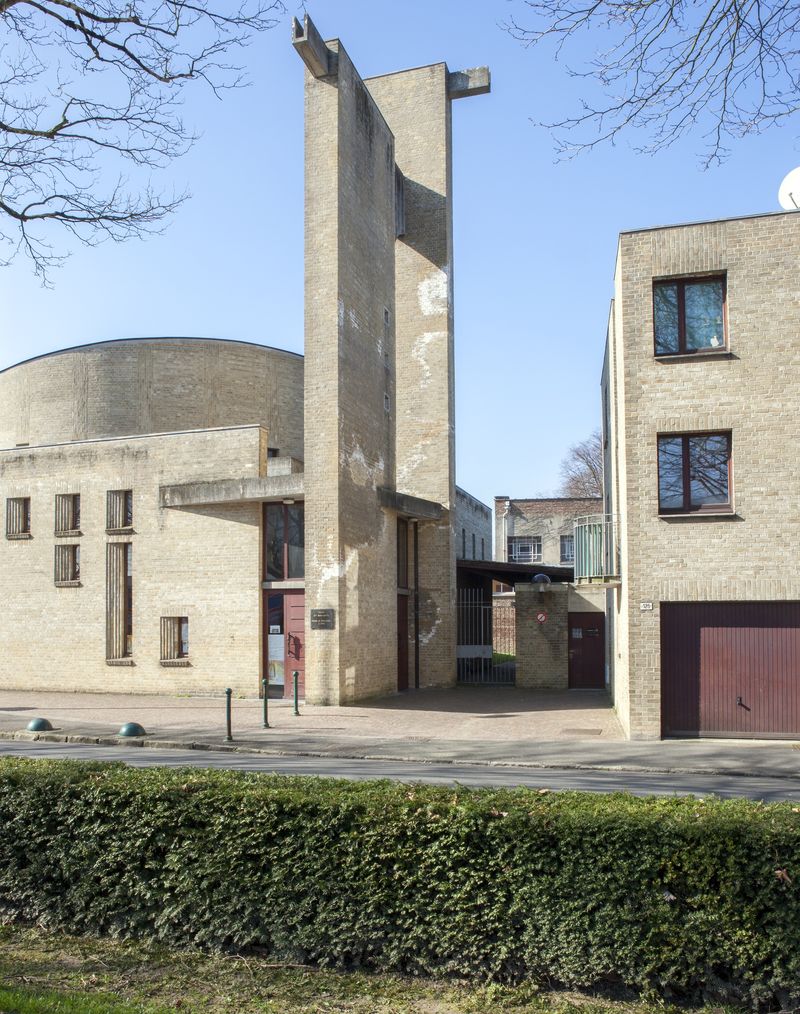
<point x="201" y="562"/>
<point x="753" y="391"/>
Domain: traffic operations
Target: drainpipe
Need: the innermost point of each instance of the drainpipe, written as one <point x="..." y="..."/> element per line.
<point x="504" y="516"/>
<point x="416" y="605"/>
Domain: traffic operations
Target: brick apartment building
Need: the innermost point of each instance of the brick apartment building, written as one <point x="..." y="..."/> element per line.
<point x="701" y="399"/>
<point x="182" y="515"/>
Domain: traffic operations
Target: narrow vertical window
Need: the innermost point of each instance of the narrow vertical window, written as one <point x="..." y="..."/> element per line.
<point x="473" y="545"/>
<point x="463" y="543"/>
<point x="284" y="541"/>
<point x="295" y="541"/>
<point x="128" y="599"/>
<point x="174" y="640"/>
<point x="68" y="513"/>
<point x="67" y="572"/>
<point x="274" y="542"/>
<point x="119" y="510"/>
<point x="567" y="548"/>
<point x="18" y="517"/>
<point x="483" y="550"/>
<point x="119" y="601"/>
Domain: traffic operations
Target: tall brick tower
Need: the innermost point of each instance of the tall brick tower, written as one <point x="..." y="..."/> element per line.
<point x="379" y="386"/>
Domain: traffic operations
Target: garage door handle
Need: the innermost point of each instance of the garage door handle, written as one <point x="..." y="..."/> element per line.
<point x="740" y="704"/>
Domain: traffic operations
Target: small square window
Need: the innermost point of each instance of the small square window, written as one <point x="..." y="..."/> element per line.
<point x="67" y="566"/>
<point x="525" y="548"/>
<point x="694" y="473"/>
<point x="18" y="517"/>
<point x="119" y="510"/>
<point x="689" y="316"/>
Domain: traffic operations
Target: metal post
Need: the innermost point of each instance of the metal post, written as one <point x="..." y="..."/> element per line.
<point x="228" y="695"/>
<point x="265" y="686"/>
<point x="296" y="676"/>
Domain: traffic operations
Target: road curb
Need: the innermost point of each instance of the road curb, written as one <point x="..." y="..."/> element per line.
<point x="156" y="744"/>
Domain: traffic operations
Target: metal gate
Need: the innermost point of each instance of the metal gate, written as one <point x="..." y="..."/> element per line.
<point x="487" y="652"/>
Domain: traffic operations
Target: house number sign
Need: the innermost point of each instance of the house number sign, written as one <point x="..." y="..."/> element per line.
<point x="645" y="606"/>
<point x="323" y="619"/>
<point x="541" y="617"/>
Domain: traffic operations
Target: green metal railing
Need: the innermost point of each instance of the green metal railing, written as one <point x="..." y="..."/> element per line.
<point x="597" y="548"/>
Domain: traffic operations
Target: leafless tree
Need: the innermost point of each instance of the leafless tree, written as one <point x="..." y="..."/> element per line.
<point x="85" y="85"/>
<point x="582" y="468"/>
<point x="726" y="67"/>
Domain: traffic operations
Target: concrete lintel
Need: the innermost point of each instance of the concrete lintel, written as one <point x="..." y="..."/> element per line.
<point x="228" y="491"/>
<point x="412" y="506"/>
<point x="311" y="48"/>
<point x="463" y="83"/>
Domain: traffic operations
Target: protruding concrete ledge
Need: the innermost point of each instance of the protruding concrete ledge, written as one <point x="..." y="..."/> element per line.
<point x="248" y="490"/>
<point x="463" y="83"/>
<point x="312" y="49"/>
<point x="413" y="506"/>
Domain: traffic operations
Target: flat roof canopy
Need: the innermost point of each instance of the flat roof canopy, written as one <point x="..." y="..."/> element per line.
<point x="513" y="573"/>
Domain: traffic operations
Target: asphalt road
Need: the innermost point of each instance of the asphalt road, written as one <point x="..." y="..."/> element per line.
<point x="639" y="783"/>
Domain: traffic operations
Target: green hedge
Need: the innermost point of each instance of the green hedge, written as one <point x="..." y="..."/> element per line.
<point x="682" y="896"/>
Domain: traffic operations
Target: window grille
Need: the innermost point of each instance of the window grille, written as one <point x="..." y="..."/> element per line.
<point x="18" y="517"/>
<point x="119" y="510"/>
<point x="174" y="638"/>
<point x="68" y="513"/>
<point x="67" y="565"/>
<point x="525" y="549"/>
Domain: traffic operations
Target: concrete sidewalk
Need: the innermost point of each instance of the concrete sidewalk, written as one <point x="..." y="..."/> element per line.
<point x="571" y="730"/>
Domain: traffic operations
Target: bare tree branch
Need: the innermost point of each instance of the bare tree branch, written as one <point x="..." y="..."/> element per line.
<point x="582" y="468"/>
<point x="727" y="68"/>
<point x="85" y="84"/>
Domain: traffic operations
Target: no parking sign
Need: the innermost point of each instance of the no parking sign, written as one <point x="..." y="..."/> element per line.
<point x="541" y="617"/>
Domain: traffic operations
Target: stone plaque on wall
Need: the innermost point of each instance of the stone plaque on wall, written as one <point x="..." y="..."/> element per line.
<point x="323" y="619"/>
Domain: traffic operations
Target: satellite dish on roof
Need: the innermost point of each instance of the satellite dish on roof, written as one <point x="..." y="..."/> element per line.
<point x="789" y="192"/>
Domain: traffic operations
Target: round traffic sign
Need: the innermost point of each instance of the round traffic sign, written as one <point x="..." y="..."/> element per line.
<point x="541" y="617"/>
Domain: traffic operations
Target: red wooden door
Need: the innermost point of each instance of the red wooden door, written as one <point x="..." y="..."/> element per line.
<point x="730" y="669"/>
<point x="402" y="642"/>
<point x="587" y="651"/>
<point x="294" y="625"/>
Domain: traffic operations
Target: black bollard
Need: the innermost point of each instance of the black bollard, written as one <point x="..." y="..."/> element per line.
<point x="228" y="695"/>
<point x="265" y="686"/>
<point x="296" y="676"/>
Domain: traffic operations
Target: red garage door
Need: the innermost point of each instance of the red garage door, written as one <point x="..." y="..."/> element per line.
<point x="730" y="669"/>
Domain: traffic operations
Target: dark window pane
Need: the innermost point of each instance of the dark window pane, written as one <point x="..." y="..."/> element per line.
<point x="128" y="495"/>
<point x="708" y="469"/>
<point x="296" y="540"/>
<point x="703" y="309"/>
<point x="76" y="511"/>
<point x="665" y="309"/>
<point x="670" y="473"/>
<point x="183" y="634"/>
<point x="273" y="542"/>
<point x="275" y="614"/>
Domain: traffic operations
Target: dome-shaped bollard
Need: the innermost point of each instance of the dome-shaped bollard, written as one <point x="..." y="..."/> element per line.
<point x="131" y="730"/>
<point x="39" y="725"/>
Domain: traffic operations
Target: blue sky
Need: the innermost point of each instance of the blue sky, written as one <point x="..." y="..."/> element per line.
<point x="535" y="240"/>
